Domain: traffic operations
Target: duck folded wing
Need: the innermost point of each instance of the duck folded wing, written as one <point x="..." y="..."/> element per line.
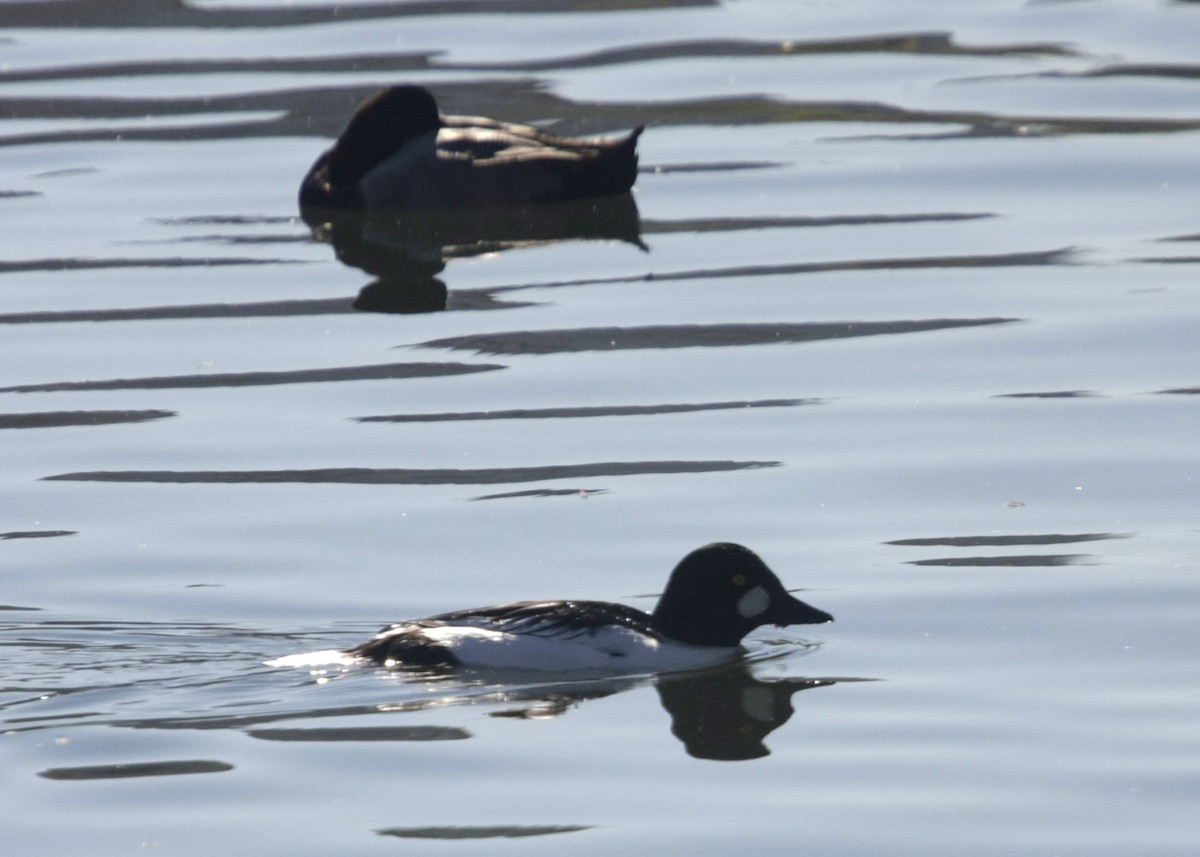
<point x="539" y="618"/>
<point x="497" y="166"/>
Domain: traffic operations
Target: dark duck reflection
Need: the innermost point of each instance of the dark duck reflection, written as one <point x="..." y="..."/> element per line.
<point x="405" y="189"/>
<point x="725" y="715"/>
<point x="721" y="713"/>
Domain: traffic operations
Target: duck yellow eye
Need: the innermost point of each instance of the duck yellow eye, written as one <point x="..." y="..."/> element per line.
<point x="739" y="579"/>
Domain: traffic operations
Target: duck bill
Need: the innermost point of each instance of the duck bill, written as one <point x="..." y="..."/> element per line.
<point x="793" y="611"/>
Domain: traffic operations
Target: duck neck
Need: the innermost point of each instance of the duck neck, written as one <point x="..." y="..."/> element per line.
<point x="694" y="625"/>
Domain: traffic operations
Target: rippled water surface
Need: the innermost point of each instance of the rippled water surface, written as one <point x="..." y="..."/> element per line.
<point x="905" y="299"/>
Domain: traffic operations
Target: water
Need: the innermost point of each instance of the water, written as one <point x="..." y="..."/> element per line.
<point x="915" y="318"/>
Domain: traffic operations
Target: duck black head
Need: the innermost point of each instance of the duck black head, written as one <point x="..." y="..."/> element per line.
<point x="720" y="592"/>
<point x="380" y="127"/>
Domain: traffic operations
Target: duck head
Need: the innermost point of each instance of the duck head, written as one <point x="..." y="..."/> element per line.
<point x="381" y="127"/>
<point x="720" y="592"/>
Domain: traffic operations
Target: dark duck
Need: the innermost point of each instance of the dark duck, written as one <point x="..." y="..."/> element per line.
<point x="399" y="152"/>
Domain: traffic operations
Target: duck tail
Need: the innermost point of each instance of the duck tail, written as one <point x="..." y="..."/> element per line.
<point x="615" y="168"/>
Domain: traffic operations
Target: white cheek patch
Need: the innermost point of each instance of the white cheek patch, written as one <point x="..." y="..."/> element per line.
<point x="754" y="603"/>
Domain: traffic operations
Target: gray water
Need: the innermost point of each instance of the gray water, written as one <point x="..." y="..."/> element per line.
<point x="909" y="306"/>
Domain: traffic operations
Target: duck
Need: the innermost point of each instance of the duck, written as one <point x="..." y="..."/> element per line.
<point x="714" y="597"/>
<point x="399" y="152"/>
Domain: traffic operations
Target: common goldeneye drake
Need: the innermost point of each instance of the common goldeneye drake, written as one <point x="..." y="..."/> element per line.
<point x="714" y="597"/>
<point x="397" y="151"/>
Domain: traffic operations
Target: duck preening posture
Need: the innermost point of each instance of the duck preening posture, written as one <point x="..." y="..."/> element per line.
<point x="398" y="152"/>
<point x="715" y="596"/>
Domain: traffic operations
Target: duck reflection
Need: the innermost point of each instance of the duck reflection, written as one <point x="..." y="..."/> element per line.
<point x="722" y="714"/>
<point x="725" y="716"/>
<point x="406" y="250"/>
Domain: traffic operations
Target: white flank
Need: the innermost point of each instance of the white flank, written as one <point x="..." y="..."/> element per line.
<point x="610" y="649"/>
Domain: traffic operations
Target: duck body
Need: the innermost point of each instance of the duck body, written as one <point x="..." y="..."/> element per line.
<point x="714" y="597"/>
<point x="399" y="152"/>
